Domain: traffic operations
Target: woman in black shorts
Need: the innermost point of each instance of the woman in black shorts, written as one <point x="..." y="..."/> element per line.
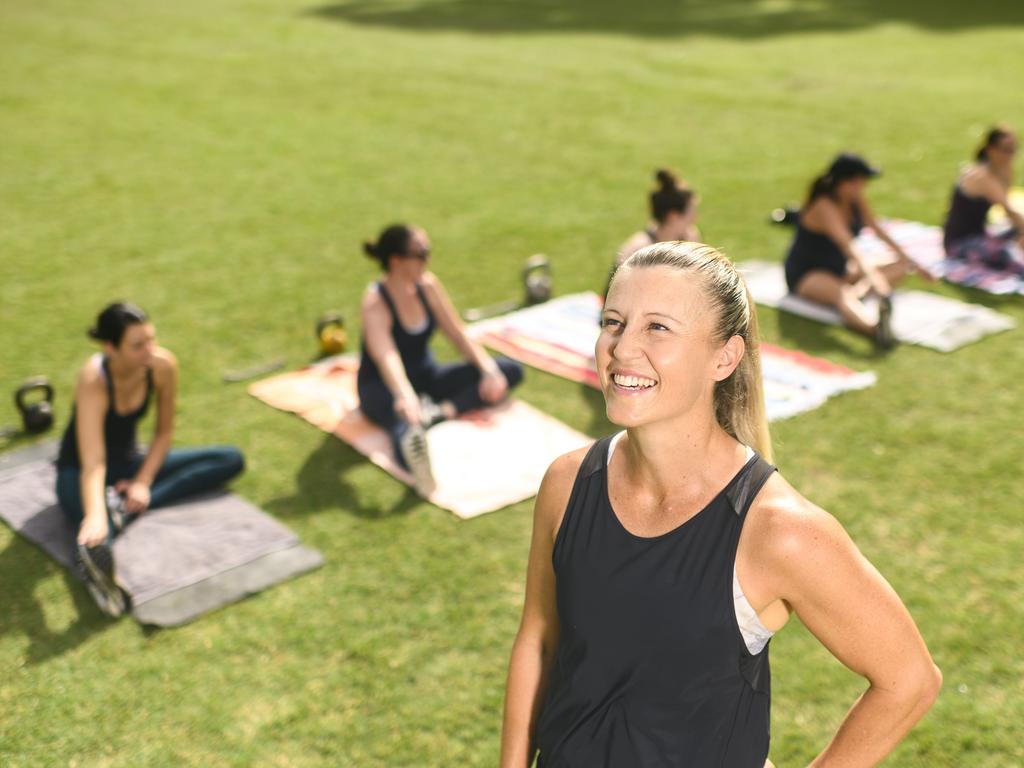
<point x="824" y="266"/>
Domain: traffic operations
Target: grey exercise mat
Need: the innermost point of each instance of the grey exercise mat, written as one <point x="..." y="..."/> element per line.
<point x="176" y="562"/>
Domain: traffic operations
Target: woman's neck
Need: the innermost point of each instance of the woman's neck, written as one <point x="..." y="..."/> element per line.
<point x="399" y="283"/>
<point x="678" y="454"/>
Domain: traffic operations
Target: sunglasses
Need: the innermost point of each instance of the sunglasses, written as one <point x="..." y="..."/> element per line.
<point x="423" y="254"/>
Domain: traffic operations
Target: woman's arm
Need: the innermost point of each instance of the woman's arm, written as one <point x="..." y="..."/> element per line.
<point x="996" y="193"/>
<point x="837" y="230"/>
<point x="493" y="385"/>
<point x="165" y="383"/>
<point x="90" y="409"/>
<point x="871" y="221"/>
<point x="534" y="648"/>
<point x="840" y="597"/>
<point x="382" y="350"/>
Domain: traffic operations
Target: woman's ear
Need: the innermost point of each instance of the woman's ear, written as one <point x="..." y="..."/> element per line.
<point x="729" y="356"/>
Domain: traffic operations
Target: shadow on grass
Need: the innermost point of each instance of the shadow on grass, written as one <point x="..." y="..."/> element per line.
<point x="322" y="484"/>
<point x="753" y="19"/>
<point x="814" y="338"/>
<point x="22" y="568"/>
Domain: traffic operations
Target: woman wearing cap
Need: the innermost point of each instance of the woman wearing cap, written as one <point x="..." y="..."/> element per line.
<point x="401" y="387"/>
<point x="103" y="479"/>
<point x="824" y="266"/>
<point x="981" y="185"/>
<point x="665" y="557"/>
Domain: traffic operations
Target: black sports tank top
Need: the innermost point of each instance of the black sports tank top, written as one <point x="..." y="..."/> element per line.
<point x="966" y="217"/>
<point x="651" y="669"/>
<point x="413" y="348"/>
<point x="119" y="430"/>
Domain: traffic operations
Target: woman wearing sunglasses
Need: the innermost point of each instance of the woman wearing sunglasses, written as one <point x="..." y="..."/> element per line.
<point x="982" y="184"/>
<point x="401" y="387"/>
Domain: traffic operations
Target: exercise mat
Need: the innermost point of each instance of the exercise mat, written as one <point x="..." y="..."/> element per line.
<point x="175" y="562"/>
<point x="482" y="461"/>
<point x="559" y="337"/>
<point x="923" y="244"/>
<point x="927" y="319"/>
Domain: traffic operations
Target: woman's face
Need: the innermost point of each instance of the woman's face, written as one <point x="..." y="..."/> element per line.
<point x="656" y="358"/>
<point x="851" y="189"/>
<point x="136" y="347"/>
<point x="1004" y="150"/>
<point x="413" y="263"/>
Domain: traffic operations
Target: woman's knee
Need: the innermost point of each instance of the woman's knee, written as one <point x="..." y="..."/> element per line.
<point x="512" y="371"/>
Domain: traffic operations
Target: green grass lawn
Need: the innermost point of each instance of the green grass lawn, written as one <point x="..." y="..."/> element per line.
<point x="220" y="163"/>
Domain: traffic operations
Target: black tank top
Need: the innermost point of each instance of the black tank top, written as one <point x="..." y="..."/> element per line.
<point x="966" y="217"/>
<point x="119" y="430"/>
<point x="651" y="669"/>
<point x="817" y="250"/>
<point x="413" y="348"/>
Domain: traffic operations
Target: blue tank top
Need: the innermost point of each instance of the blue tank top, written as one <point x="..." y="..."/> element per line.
<point x="651" y="669"/>
<point x="119" y="429"/>
<point x="413" y="348"/>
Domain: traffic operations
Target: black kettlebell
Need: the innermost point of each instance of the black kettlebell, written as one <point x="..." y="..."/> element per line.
<point x="537" y="279"/>
<point x="38" y="416"/>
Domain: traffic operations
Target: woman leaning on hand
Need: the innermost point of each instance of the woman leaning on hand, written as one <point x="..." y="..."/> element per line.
<point x="665" y="557"/>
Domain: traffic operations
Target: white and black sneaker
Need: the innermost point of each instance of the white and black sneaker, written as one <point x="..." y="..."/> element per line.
<point x="430" y="412"/>
<point x="115" y="509"/>
<point x="416" y="455"/>
<point x="97" y="564"/>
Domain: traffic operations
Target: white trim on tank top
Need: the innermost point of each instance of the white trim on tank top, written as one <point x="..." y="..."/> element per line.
<point x="755" y="634"/>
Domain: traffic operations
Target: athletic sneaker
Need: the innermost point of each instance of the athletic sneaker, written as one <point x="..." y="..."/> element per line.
<point x="97" y="564"/>
<point x="430" y="412"/>
<point x="115" y="508"/>
<point x="413" y="446"/>
<point x="883" y="331"/>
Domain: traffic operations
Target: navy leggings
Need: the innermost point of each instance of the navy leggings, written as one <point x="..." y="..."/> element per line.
<point x="184" y="472"/>
<point x="458" y="383"/>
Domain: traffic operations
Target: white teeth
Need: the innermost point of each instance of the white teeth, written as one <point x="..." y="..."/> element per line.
<point x="633" y="382"/>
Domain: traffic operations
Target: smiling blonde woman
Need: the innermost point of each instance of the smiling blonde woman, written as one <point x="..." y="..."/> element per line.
<point x="665" y="557"/>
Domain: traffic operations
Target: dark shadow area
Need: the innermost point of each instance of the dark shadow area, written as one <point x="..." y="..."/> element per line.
<point x="321" y="484"/>
<point x="22" y="568"/>
<point x="668" y="18"/>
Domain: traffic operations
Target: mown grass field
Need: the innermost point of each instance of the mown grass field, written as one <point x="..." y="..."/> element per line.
<point x="219" y="163"/>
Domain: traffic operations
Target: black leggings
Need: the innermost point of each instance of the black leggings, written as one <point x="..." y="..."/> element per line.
<point x="458" y="383"/>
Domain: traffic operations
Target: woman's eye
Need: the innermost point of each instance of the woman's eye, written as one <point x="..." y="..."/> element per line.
<point x="609" y="323"/>
<point x="658" y="327"/>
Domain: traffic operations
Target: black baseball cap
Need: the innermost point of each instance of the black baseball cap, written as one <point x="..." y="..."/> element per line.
<point x="849" y="165"/>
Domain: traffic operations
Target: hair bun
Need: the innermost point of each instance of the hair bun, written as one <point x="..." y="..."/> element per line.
<point x="370" y="249"/>
<point x="666" y="178"/>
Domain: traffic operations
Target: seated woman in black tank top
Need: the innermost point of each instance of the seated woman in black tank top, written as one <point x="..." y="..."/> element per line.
<point x="104" y="480"/>
<point x="673" y="217"/>
<point x="823" y="265"/>
<point x="401" y="387"/>
<point x="982" y="185"/>
<point x="656" y="551"/>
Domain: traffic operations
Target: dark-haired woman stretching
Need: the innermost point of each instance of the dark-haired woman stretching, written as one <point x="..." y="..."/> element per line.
<point x="401" y="387"/>
<point x="981" y="185"/>
<point x="673" y="215"/>
<point x="824" y="266"/>
<point x="103" y="480"/>
<point x="664" y="557"/>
